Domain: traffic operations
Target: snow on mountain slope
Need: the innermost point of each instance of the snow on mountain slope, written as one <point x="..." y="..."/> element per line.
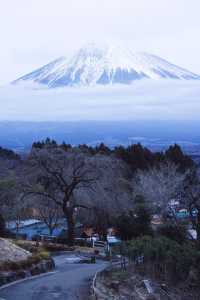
<point x="93" y="65"/>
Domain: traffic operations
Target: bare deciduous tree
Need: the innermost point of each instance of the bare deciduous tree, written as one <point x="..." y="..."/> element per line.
<point x="49" y="212"/>
<point x="58" y="175"/>
<point x="160" y="184"/>
<point x="13" y="207"/>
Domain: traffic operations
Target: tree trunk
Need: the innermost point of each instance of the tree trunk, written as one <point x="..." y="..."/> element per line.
<point x="2" y="226"/>
<point x="70" y="227"/>
<point x="51" y="230"/>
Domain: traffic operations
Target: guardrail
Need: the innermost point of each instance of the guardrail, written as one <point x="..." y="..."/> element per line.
<point x="93" y="243"/>
<point x="95" y="292"/>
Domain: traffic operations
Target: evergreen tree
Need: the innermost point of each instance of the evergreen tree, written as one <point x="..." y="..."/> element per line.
<point x="176" y="155"/>
<point x="136" y="222"/>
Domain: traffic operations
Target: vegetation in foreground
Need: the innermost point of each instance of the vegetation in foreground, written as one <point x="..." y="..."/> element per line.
<point x="124" y="188"/>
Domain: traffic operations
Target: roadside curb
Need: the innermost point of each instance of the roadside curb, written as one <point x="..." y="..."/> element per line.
<point x="26" y="279"/>
<point x="96" y="294"/>
<point x="11" y="276"/>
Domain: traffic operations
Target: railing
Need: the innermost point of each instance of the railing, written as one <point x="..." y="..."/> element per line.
<point x="91" y="242"/>
<point x="99" y="244"/>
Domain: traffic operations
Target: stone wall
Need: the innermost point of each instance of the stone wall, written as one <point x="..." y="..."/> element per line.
<point x="11" y="252"/>
<point x="36" y="269"/>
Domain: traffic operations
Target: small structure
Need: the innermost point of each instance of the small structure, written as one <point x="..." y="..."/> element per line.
<point x="30" y="228"/>
<point x="88" y="232"/>
<point x="192" y="234"/>
<point x="156" y="220"/>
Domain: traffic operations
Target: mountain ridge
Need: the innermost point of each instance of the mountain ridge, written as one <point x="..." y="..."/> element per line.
<point x="107" y="65"/>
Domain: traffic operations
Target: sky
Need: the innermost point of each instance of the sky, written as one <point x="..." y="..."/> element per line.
<point x="34" y="32"/>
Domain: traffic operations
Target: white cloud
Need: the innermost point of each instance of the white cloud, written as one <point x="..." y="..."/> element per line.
<point x="144" y="100"/>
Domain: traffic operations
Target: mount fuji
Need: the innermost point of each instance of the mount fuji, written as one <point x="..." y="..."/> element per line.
<point x="107" y="65"/>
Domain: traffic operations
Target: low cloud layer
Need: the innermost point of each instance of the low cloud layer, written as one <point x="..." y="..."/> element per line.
<point x="144" y="100"/>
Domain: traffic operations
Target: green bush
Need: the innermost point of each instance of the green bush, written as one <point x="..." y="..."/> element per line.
<point x="165" y="254"/>
<point x="135" y="223"/>
<point x="173" y="232"/>
<point x="26" y="245"/>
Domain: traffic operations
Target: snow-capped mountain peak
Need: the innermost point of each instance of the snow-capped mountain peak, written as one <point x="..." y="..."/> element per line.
<point x="92" y="65"/>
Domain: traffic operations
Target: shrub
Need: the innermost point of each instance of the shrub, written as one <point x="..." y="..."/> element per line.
<point x="26" y="245"/>
<point x="44" y="254"/>
<point x="25" y="264"/>
<point x="173" y="232"/>
<point x="165" y="257"/>
<point x="136" y="223"/>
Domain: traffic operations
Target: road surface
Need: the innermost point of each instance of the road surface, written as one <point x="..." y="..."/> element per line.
<point x="68" y="281"/>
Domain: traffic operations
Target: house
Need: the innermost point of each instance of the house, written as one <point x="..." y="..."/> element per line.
<point x="184" y="213"/>
<point x="30" y="228"/>
<point x="33" y="227"/>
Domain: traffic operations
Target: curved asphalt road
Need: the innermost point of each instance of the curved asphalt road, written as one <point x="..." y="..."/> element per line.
<point x="69" y="281"/>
